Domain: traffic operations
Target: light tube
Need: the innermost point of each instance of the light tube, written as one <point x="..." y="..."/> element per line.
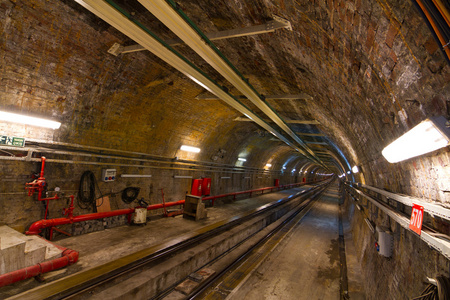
<point x="135" y="176"/>
<point x="181" y="176"/>
<point x="190" y="149"/>
<point x="268" y="165"/>
<point x="241" y="159"/>
<point x="22" y="119"/>
<point x="355" y="169"/>
<point x="428" y="136"/>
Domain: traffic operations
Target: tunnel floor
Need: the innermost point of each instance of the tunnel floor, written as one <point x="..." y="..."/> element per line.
<point x="306" y="264"/>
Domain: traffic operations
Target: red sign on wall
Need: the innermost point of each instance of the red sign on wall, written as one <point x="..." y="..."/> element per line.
<point x="416" y="219"/>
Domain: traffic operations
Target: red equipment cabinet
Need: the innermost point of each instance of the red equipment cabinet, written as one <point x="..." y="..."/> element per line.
<point x="196" y="189"/>
<point x="206" y="186"/>
<point x="277" y="182"/>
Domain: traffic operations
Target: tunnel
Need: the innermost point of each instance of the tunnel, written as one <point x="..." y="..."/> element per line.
<point x="113" y="107"/>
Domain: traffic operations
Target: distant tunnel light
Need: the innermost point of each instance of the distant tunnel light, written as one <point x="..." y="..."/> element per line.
<point x="22" y="119"/>
<point x="268" y="165"/>
<point x="429" y="135"/>
<point x="241" y="159"/>
<point x="355" y="169"/>
<point x="190" y="149"/>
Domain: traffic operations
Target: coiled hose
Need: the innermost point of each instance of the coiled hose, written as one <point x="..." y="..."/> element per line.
<point x="86" y="191"/>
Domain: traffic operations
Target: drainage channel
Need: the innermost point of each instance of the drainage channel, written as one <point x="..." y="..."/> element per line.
<point x="150" y="272"/>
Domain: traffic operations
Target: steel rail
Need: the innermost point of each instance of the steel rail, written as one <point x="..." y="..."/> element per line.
<point x="108" y="11"/>
<point x="86" y="280"/>
<point x="216" y="277"/>
<point x="186" y="30"/>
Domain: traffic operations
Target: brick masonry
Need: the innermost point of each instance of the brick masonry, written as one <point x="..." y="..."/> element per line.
<point x="372" y="68"/>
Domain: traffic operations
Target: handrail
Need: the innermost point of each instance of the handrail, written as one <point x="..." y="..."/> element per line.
<point x="430" y="208"/>
<point x="438" y="241"/>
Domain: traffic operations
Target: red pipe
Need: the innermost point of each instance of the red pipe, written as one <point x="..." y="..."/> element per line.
<point x="37" y="227"/>
<point x="68" y="257"/>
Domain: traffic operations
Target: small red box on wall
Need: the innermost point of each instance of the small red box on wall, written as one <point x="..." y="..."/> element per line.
<point x="277" y="182"/>
<point x="206" y="186"/>
<point x="196" y="189"/>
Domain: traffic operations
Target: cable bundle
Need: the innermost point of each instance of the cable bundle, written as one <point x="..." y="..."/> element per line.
<point x="440" y="291"/>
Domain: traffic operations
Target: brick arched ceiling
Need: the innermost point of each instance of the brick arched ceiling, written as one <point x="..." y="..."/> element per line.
<point x="371" y="68"/>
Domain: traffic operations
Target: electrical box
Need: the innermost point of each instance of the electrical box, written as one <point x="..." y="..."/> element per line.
<point x="108" y="175"/>
<point x="206" y="186"/>
<point x="196" y="189"/>
<point x="277" y="182"/>
<point x="385" y="241"/>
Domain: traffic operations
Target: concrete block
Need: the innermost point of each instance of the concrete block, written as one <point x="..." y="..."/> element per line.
<point x="12" y="251"/>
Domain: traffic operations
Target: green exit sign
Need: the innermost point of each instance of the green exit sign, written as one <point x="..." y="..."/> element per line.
<point x="12" y="141"/>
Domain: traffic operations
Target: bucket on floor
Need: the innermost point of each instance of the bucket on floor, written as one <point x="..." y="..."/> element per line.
<point x="140" y="215"/>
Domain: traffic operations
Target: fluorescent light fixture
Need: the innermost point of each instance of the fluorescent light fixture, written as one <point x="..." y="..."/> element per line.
<point x="284" y="168"/>
<point x="241" y="159"/>
<point x="190" y="149"/>
<point x="428" y="136"/>
<point x="22" y="119"/>
<point x="348" y="172"/>
<point x="135" y="176"/>
<point x="268" y="165"/>
<point x="225" y="177"/>
<point x="181" y="176"/>
<point x="355" y="169"/>
<point x="293" y="170"/>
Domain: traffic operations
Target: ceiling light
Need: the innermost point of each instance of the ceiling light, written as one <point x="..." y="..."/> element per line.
<point x="355" y="169"/>
<point x="268" y="165"/>
<point x="348" y="172"/>
<point x="22" y="119"/>
<point x="429" y="135"/>
<point x="241" y="159"/>
<point x="190" y="149"/>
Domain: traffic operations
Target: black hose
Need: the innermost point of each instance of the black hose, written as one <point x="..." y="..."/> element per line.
<point x="130" y="194"/>
<point x="86" y="191"/>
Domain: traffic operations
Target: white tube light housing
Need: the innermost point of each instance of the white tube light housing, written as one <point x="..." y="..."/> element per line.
<point x="355" y="169"/>
<point x="268" y="165"/>
<point x="241" y="159"/>
<point x="22" y="119"/>
<point x="135" y="176"/>
<point x="182" y="177"/>
<point x="430" y="135"/>
<point x="190" y="149"/>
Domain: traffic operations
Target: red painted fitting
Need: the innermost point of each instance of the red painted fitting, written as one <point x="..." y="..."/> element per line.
<point x="37" y="227"/>
<point x="67" y="258"/>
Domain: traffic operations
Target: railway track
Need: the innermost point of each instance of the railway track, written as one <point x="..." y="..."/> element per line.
<point x="188" y="266"/>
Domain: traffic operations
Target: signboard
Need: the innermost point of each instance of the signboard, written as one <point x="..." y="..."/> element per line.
<point x="416" y="219"/>
<point x="12" y="141"/>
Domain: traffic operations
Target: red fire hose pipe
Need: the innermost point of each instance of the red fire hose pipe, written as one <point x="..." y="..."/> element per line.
<point x="37" y="227"/>
<point x="68" y="257"/>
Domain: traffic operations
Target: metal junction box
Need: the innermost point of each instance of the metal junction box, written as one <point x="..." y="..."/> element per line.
<point x="196" y="189"/>
<point x="206" y="186"/>
<point x="385" y="241"/>
<point x="108" y="175"/>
